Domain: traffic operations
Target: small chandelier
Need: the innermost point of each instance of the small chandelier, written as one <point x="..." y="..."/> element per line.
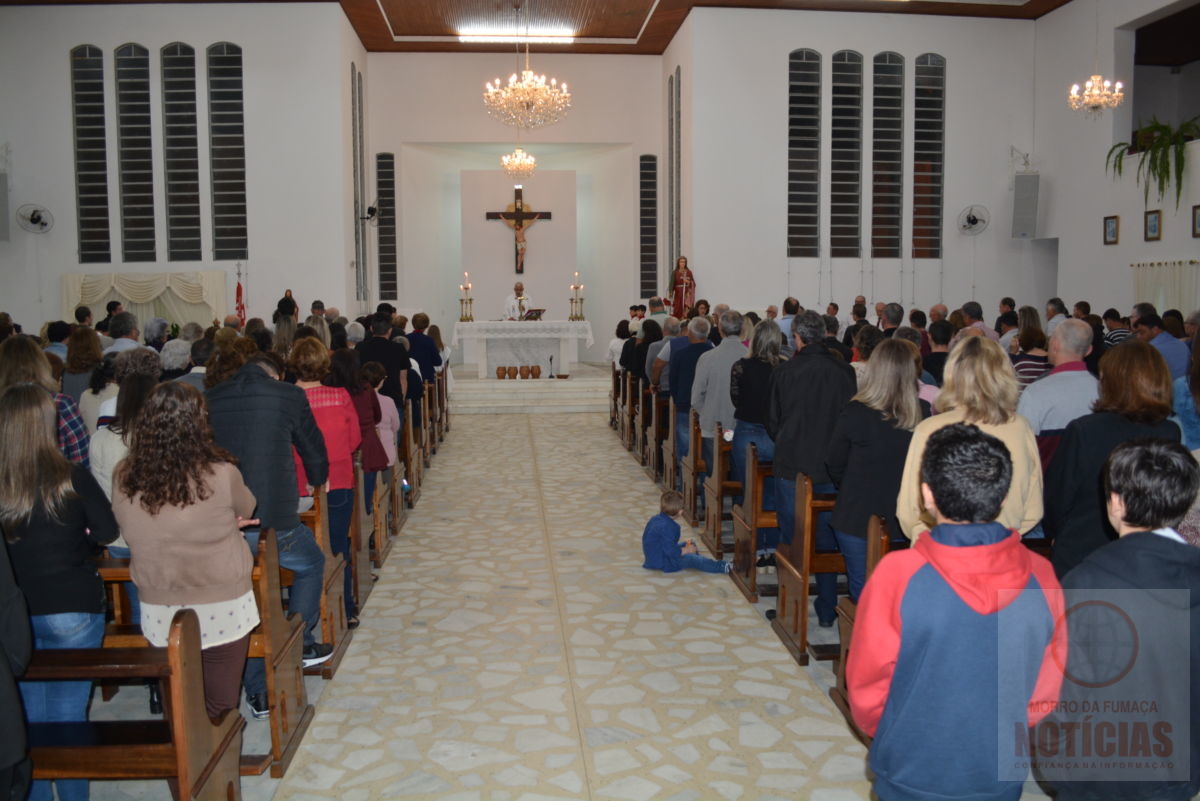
<point x="527" y="102"/>
<point x="1097" y="95"/>
<point x="518" y="164"/>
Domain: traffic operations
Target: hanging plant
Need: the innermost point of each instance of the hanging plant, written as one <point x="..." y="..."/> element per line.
<point x="1162" y="156"/>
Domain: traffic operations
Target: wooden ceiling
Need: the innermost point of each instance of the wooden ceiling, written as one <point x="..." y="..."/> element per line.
<point x="643" y="27"/>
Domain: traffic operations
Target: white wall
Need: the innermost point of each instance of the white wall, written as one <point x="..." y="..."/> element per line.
<point x="736" y="161"/>
<point x="294" y="132"/>
<point x="428" y="110"/>
<point x="1070" y="149"/>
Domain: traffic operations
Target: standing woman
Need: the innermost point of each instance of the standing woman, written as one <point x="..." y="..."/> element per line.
<point x="54" y="517"/>
<point x="1030" y="358"/>
<point x="21" y="360"/>
<point x="980" y="388"/>
<point x="443" y="349"/>
<point x="749" y="389"/>
<point x="181" y="503"/>
<point x="338" y="421"/>
<point x="868" y="448"/>
<point x="1135" y="402"/>
<point x="83" y="354"/>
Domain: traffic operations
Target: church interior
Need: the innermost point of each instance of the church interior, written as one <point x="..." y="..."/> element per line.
<point x="514" y="649"/>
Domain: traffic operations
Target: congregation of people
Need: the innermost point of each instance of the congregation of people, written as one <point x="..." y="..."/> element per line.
<point x="986" y="446"/>
<point x="176" y="447"/>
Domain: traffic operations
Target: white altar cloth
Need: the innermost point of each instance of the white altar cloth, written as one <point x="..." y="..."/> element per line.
<point x="502" y="343"/>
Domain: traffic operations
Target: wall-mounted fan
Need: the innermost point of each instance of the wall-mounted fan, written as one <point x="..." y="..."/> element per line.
<point x="974" y="220"/>
<point x="34" y="218"/>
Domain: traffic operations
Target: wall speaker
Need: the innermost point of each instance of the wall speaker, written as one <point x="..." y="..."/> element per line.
<point x="5" y="214"/>
<point x="1025" y="206"/>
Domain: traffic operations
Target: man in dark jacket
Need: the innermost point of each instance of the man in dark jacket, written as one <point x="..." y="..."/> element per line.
<point x="808" y="393"/>
<point x="392" y="355"/>
<point x="1150" y="576"/>
<point x="259" y="419"/>
<point x="683" y="375"/>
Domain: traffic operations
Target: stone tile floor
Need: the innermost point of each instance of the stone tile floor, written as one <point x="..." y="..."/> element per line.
<point x="515" y="650"/>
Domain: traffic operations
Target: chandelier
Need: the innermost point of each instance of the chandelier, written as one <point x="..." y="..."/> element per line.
<point x="518" y="164"/>
<point x="1097" y="95"/>
<point x="527" y="102"/>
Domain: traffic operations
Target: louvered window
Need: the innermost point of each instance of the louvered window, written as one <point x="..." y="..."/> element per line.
<point x="91" y="154"/>
<point x="887" y="160"/>
<point x="135" y="153"/>
<point x="385" y="189"/>
<point x="929" y="153"/>
<point x="648" y="224"/>
<point x="678" y="210"/>
<point x="804" y="152"/>
<point x="227" y="143"/>
<point x="845" y="145"/>
<point x="671" y="254"/>
<point x="181" y="152"/>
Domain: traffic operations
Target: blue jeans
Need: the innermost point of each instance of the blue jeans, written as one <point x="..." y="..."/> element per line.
<point x="369" y="490"/>
<point x="299" y="553"/>
<point x="854" y="552"/>
<point x="694" y="561"/>
<point x="743" y="435"/>
<point x="135" y="603"/>
<point x="341" y="512"/>
<point x="61" y="701"/>
<point x="785" y="495"/>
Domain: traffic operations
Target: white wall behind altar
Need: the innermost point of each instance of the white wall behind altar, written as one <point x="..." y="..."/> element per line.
<point x="735" y="96"/>
<point x="1071" y="149"/>
<point x="296" y="65"/>
<point x="427" y="108"/>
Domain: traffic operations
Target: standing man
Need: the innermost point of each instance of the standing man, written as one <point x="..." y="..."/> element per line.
<point x="1063" y="394"/>
<point x="1149" y="328"/>
<point x="112" y="309"/>
<point x="1056" y="312"/>
<point x="892" y="317"/>
<point x="808" y="394"/>
<point x="772" y="312"/>
<point x="683" y="375"/>
<point x="517" y="303"/>
<point x="658" y="310"/>
<point x="791" y="307"/>
<point x="710" y="389"/>
<point x="1006" y="305"/>
<point x="392" y="355"/>
<point x="123" y="328"/>
<point x="1117" y="329"/>
<point x="938" y="311"/>
<point x="260" y="419"/>
<point x="973" y="315"/>
<point x="858" y="313"/>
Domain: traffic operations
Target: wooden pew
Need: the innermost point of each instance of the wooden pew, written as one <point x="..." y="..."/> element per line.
<point x="424" y="440"/>
<point x="629" y="411"/>
<point x="656" y="434"/>
<point x="278" y="640"/>
<point x="387" y="514"/>
<point x="748" y="519"/>
<point x="718" y="486"/>
<point x="614" y="394"/>
<point x="795" y="567"/>
<point x="410" y="458"/>
<point x="670" y="465"/>
<point x="198" y="757"/>
<point x="360" y="536"/>
<point x="692" y="468"/>
<point x="877" y="546"/>
<point x="443" y="403"/>
<point x="334" y="630"/>
<point x="433" y="415"/>
<point x="645" y="398"/>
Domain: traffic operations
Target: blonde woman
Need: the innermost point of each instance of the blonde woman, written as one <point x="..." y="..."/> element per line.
<point x="22" y="361"/>
<point x="980" y="388"/>
<point x="867" y="450"/>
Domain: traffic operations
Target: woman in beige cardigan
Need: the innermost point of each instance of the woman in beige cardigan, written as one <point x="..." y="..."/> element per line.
<point x="980" y="388"/>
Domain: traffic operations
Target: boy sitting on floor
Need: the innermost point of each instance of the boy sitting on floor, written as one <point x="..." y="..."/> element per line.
<point x="661" y="545"/>
<point x="952" y="639"/>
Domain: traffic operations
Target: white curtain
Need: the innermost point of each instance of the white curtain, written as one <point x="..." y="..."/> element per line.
<point x="192" y="297"/>
<point x="1168" y="284"/>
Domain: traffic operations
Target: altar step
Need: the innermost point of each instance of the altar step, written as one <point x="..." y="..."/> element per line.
<point x="586" y="390"/>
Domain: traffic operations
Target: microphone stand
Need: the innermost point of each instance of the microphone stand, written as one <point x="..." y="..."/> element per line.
<point x="552" y="367"/>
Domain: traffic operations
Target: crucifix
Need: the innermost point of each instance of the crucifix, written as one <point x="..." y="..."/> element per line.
<point x="519" y="219"/>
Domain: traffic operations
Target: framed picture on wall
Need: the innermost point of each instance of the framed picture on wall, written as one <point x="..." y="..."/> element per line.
<point x="1153" y="226"/>
<point x="1195" y="222"/>
<point x="1112" y="230"/>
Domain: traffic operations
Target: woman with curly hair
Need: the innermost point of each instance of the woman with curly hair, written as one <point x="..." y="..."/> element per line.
<point x="54" y="517"/>
<point x="181" y="503"/>
<point x="338" y="420"/>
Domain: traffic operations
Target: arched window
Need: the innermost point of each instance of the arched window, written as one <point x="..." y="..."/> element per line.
<point x="845" y="146"/>
<point x="804" y="153"/>
<point x="929" y="155"/>
<point x="135" y="152"/>
<point x="181" y="155"/>
<point x="887" y="156"/>
<point x="91" y="153"/>
<point x="227" y="145"/>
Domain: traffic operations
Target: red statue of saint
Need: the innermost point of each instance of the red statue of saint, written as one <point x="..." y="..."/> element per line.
<point x="683" y="288"/>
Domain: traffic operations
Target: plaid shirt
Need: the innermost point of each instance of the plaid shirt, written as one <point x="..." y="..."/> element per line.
<point x="73" y="439"/>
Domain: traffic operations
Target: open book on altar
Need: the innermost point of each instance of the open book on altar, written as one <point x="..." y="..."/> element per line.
<point x="534" y="314"/>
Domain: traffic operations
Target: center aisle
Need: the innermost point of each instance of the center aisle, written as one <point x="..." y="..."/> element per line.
<point x="515" y="650"/>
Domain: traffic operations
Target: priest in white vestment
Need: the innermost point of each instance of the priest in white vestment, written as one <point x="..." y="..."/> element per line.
<point x="518" y="303"/>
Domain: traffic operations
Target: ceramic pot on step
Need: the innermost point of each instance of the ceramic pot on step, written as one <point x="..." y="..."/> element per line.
<point x="501" y="372"/>
<point x="536" y="371"/>
<point x="512" y="372"/>
<point x="524" y="371"/>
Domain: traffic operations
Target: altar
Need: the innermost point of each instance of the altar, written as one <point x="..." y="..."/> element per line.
<point x="505" y="343"/>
